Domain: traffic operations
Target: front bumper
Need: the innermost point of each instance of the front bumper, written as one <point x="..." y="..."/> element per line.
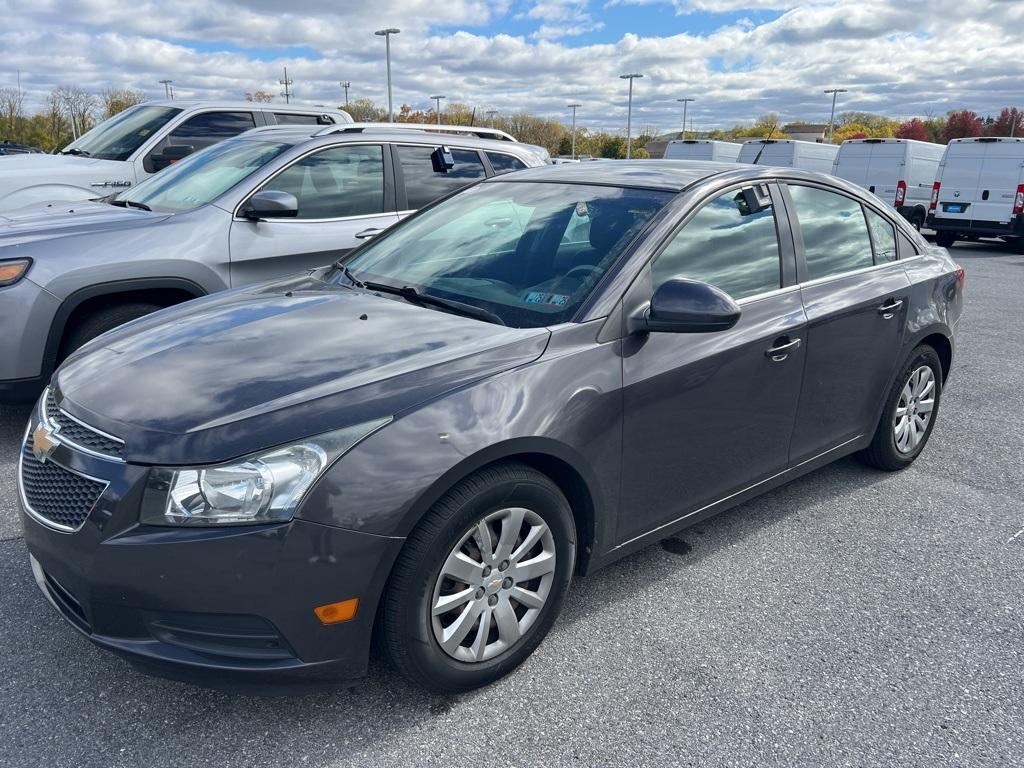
<point x="26" y="315"/>
<point x="211" y="605"/>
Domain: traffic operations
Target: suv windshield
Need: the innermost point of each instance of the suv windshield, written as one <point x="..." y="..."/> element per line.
<point x="118" y="137"/>
<point x="202" y="177"/>
<point x="528" y="252"/>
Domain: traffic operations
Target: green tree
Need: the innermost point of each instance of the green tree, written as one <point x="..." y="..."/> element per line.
<point x="116" y="100"/>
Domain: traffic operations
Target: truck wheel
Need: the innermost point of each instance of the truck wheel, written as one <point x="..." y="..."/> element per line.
<point x="96" y="323"/>
<point x="945" y="238"/>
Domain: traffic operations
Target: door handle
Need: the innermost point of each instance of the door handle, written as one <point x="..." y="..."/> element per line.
<point x="890" y="308"/>
<point x="368" y="233"/>
<point x="780" y="351"/>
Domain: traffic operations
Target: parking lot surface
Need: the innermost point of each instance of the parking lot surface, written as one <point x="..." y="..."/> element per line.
<point x="852" y="617"/>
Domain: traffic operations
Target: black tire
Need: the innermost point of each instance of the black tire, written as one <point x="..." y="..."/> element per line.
<point x="97" y="323"/>
<point x="407" y="636"/>
<point x="945" y="238"/>
<point x="882" y="453"/>
<point x="917" y="220"/>
<point x="1017" y="245"/>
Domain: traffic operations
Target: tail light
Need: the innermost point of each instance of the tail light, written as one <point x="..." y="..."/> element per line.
<point x="1018" y="202"/>
<point x="935" y="196"/>
<point x="961" y="276"/>
<point x="901" y="192"/>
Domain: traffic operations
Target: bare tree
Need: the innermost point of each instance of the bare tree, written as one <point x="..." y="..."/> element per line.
<point x="263" y="97"/>
<point x="79" y="106"/>
<point x="116" y="100"/>
<point x="12" y="103"/>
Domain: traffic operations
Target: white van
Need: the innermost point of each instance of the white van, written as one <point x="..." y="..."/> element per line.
<point x="900" y="171"/>
<point x="979" y="191"/>
<point x="137" y="143"/>
<point x="703" y="149"/>
<point x="790" y="153"/>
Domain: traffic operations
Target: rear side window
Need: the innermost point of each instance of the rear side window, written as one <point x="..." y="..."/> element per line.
<point x="424" y="184"/>
<point x="286" y="118"/>
<point x="335" y="183"/>
<point x="883" y="237"/>
<point x="731" y="243"/>
<point x="834" y="231"/>
<point x="210" y="127"/>
<point x="504" y="163"/>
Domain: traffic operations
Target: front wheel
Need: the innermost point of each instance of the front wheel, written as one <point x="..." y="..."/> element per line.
<point x="945" y="238"/>
<point x="480" y="581"/>
<point x="909" y="415"/>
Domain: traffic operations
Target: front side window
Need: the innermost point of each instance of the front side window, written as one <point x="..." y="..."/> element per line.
<point x="883" y="237"/>
<point x="425" y="181"/>
<point x="731" y="243"/>
<point x="119" y="137"/>
<point x="204" y="176"/>
<point x="502" y="163"/>
<point x="834" y="232"/>
<point x="336" y="183"/>
<point x="502" y="247"/>
<point x="210" y="127"/>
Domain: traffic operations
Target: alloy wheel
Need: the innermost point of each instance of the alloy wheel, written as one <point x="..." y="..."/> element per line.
<point x="914" y="409"/>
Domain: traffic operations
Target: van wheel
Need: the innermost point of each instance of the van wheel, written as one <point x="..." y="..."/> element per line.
<point x="1017" y="245"/>
<point x="480" y="580"/>
<point x="97" y="323"/>
<point x="945" y="238"/>
<point x="917" y="220"/>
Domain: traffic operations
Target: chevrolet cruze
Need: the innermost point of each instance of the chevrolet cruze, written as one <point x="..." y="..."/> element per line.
<point x="423" y="443"/>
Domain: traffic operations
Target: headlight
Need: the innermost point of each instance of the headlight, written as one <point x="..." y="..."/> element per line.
<point x="12" y="271"/>
<point x="262" y="488"/>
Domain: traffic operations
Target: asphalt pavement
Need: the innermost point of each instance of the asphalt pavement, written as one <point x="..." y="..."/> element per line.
<point x="851" y="618"/>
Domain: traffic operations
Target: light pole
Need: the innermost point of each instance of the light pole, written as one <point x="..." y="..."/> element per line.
<point x="490" y="116"/>
<point x="286" y="83"/>
<point x="686" y="102"/>
<point x="167" y="88"/>
<point x="386" y="34"/>
<point x="437" y="101"/>
<point x="346" y="84"/>
<point x="832" y="117"/>
<point x="629" y="113"/>
<point x="573" y="108"/>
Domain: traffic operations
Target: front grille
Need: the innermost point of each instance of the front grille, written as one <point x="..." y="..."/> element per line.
<point x="55" y="494"/>
<point x="75" y="433"/>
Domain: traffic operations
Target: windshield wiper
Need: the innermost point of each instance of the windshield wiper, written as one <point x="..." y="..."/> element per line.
<point x="130" y="204"/>
<point x="356" y="282"/>
<point x="411" y="294"/>
<point x="76" y="151"/>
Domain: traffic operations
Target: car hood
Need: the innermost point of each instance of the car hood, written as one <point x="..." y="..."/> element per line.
<point x="54" y="221"/>
<point x="19" y="171"/>
<point x="249" y="369"/>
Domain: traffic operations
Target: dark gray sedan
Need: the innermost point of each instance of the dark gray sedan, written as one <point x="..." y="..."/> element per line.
<point x="426" y="441"/>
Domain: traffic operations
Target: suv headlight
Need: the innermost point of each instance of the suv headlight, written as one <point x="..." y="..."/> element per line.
<point x="263" y="488"/>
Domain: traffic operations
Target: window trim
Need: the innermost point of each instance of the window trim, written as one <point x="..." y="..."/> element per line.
<point x="389" y="186"/>
<point x="401" y="192"/>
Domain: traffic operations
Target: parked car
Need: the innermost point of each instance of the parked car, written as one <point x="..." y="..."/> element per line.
<point x="703" y="149"/>
<point x="900" y="171"/>
<point x="138" y="142"/>
<point x="431" y="438"/>
<point x="8" y="147"/>
<point x="790" y="153"/>
<point x="271" y="202"/>
<point x="979" y="191"/>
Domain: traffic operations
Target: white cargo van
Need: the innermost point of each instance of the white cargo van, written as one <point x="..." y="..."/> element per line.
<point x="703" y="149"/>
<point x="979" y="191"/>
<point x="900" y="171"/>
<point x="790" y="153"/>
<point x="138" y="142"/>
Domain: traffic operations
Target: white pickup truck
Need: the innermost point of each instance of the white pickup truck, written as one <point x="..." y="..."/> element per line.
<point x="138" y="142"/>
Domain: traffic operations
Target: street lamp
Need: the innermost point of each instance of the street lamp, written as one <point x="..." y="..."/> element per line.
<point x="573" y="108"/>
<point x="832" y="117"/>
<point x="490" y="116"/>
<point x="167" y="88"/>
<point x="386" y="34"/>
<point x="629" y="113"/>
<point x="346" y="84"/>
<point x="437" y="101"/>
<point x="686" y="102"/>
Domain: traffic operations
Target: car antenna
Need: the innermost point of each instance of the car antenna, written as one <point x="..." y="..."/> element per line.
<point x="764" y="143"/>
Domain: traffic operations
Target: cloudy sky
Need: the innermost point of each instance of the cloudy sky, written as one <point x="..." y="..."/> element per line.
<point x="738" y="58"/>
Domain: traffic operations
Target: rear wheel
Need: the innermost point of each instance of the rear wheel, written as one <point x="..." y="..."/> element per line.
<point x="99" y="322"/>
<point x="945" y="238"/>
<point x="480" y="581"/>
<point x="917" y="220"/>
<point x="910" y="412"/>
<point x="1017" y="245"/>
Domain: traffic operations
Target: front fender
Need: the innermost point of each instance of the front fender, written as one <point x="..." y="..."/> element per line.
<point x="46" y="193"/>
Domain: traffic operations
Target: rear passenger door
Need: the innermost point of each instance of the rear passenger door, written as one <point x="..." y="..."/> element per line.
<point x="421" y="179"/>
<point x="855" y="293"/>
<point x="345" y="194"/>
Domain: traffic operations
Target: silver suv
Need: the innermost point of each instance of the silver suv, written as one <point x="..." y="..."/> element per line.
<point x="273" y="201"/>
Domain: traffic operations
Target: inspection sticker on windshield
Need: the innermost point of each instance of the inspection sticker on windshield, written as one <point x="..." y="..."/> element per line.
<point x="581" y="209"/>
<point x="539" y="297"/>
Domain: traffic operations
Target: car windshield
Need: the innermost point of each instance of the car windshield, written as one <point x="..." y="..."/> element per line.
<point x="119" y="137"/>
<point x="527" y="252"/>
<point x="202" y="177"/>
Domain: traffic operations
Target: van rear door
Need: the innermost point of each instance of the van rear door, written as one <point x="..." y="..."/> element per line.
<point x="997" y="183"/>
<point x="961" y="176"/>
<point x="886" y="168"/>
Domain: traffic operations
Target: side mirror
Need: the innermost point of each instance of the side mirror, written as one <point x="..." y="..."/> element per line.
<point x="270" y="204"/>
<point x="686" y="306"/>
<point x="172" y="153"/>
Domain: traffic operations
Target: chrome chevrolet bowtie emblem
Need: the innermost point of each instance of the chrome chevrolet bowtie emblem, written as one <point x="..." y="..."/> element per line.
<point x="43" y="442"/>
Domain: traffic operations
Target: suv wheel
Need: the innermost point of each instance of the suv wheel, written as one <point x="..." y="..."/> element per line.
<point x="945" y="238"/>
<point x="480" y="581"/>
<point x="97" y="323"/>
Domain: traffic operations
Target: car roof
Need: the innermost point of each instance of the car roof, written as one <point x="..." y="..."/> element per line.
<point x="246" y="105"/>
<point x="672" y="175"/>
